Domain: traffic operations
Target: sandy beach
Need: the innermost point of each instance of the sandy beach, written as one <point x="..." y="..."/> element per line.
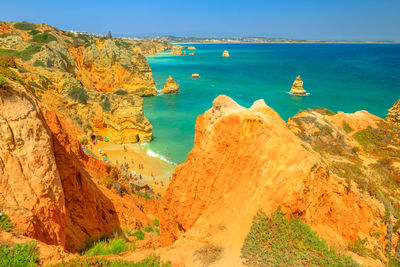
<point x="155" y="171"/>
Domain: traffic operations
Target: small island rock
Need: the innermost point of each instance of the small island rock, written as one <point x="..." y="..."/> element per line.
<point x="170" y="87"/>
<point x="297" y="87"/>
<point x="226" y="54"/>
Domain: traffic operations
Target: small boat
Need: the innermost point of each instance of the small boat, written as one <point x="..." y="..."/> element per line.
<point x="195" y="75"/>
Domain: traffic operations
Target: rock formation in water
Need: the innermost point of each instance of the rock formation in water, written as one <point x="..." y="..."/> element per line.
<point x="195" y="75"/>
<point x="177" y="50"/>
<point x="191" y="47"/>
<point x="394" y="113"/>
<point x="170" y="86"/>
<point x="244" y="160"/>
<point x="225" y="53"/>
<point x="297" y="87"/>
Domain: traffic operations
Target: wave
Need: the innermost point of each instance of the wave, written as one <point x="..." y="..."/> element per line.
<point x="153" y="154"/>
<point x="298" y="95"/>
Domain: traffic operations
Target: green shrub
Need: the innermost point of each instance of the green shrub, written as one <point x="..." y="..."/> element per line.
<point x="22" y="70"/>
<point x="8" y="52"/>
<point x="156" y="222"/>
<point x="106" y="104"/>
<point x="44" y="38"/>
<point x="158" y="231"/>
<point x="152" y="261"/>
<point x="110" y="247"/>
<point x="34" y="32"/>
<point x="78" y="94"/>
<point x="4" y="35"/>
<point x="148" y="229"/>
<point x="28" y="53"/>
<point x="3" y="81"/>
<point x="25" y="26"/>
<point x="36" y="85"/>
<point x="19" y="255"/>
<point x="140" y="194"/>
<point x="347" y="128"/>
<point x="139" y="235"/>
<point x="359" y="248"/>
<point x="5" y="223"/>
<point x="121" y="92"/>
<point x="38" y="63"/>
<point x="276" y="241"/>
<point x="325" y="129"/>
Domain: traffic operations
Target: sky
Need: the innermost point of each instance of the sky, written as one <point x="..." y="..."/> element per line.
<point x="298" y="19"/>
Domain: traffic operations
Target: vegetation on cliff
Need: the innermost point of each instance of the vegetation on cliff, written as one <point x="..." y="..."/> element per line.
<point x="152" y="261"/>
<point x="276" y="241"/>
<point x="19" y="255"/>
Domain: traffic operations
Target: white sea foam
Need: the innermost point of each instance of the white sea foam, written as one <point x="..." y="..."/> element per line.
<point x="153" y="154"/>
<point x="298" y="95"/>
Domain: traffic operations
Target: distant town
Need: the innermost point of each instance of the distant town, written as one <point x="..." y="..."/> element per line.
<point x="206" y="40"/>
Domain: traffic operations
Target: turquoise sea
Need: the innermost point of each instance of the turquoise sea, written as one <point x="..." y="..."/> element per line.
<point x="340" y="77"/>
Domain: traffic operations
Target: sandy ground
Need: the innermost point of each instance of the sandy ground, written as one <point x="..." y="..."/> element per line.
<point x="155" y="172"/>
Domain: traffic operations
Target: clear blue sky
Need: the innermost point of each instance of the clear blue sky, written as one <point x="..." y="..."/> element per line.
<point x="300" y="19"/>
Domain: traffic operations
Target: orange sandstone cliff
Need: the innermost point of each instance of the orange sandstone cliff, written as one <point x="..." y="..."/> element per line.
<point x="245" y="160"/>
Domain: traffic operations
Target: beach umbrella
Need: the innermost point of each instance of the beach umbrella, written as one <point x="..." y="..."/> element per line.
<point x="99" y="149"/>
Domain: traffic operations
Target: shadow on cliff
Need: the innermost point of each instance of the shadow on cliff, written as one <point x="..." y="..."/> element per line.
<point x="89" y="213"/>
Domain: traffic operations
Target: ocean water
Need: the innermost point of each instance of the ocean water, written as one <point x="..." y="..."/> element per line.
<point x="340" y="77"/>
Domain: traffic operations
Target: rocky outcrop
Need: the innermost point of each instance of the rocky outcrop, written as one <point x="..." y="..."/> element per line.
<point x="105" y="66"/>
<point x="49" y="187"/>
<point x="170" y="86"/>
<point x="394" y="113"/>
<point x="118" y="117"/>
<point x="98" y="66"/>
<point x="191" y="47"/>
<point x="244" y="160"/>
<point x="225" y="53"/>
<point x="177" y="50"/>
<point x="297" y="87"/>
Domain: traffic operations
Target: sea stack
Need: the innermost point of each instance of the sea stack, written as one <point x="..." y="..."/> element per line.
<point x="170" y="87"/>
<point x="297" y="87"/>
<point x="226" y="54"/>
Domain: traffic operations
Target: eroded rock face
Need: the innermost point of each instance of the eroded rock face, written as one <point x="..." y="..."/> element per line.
<point x="124" y="122"/>
<point x="297" y="87"/>
<point x="30" y="188"/>
<point x="130" y="70"/>
<point x="394" y="113"/>
<point x="244" y="160"/>
<point x="170" y="87"/>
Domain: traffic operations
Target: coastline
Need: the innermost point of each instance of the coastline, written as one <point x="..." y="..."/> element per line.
<point x="316" y="42"/>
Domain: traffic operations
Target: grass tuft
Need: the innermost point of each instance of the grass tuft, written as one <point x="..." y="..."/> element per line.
<point x="110" y="247"/>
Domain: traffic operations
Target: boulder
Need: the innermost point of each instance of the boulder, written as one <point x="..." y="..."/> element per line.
<point x="170" y="87"/>
<point x="225" y="53"/>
